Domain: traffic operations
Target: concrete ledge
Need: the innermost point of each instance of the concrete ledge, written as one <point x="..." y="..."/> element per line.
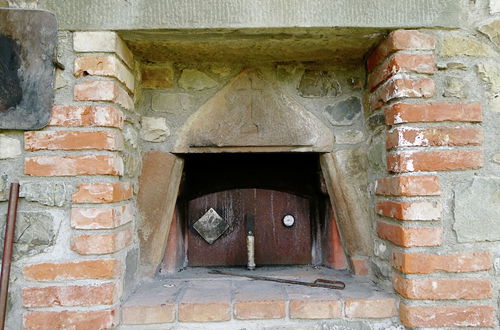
<point x="220" y="14"/>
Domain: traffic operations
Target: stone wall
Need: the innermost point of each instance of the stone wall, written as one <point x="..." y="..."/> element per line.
<point x="331" y="93"/>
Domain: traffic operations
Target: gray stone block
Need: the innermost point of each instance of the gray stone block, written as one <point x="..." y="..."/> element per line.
<point x="490" y="74"/>
<point x="349" y="137"/>
<point x="4" y="191"/>
<point x="132" y="163"/>
<point x="344" y="112"/>
<point x="477" y="210"/>
<point x="196" y="80"/>
<point x="317" y="83"/>
<point x="492" y="30"/>
<point x="376" y="121"/>
<point x="131" y="267"/>
<point x="50" y="194"/>
<point x="9" y="147"/>
<point x="154" y="129"/>
<point x="34" y="234"/>
<point x="171" y="103"/>
<point x="496" y="265"/>
<point x="454" y="87"/>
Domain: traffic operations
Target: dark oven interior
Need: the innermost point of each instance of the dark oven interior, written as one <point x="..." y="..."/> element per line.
<point x="267" y="187"/>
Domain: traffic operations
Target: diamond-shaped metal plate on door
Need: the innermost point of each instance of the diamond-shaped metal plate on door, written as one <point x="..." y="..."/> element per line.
<point x="211" y="226"/>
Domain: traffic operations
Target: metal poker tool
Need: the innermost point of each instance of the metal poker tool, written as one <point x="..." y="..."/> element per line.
<point x="318" y="283"/>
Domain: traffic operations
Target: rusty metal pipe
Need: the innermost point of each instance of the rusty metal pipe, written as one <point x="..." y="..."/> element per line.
<point x="8" y="243"/>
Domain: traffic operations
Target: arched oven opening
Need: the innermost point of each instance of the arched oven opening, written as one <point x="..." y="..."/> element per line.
<point x="282" y="194"/>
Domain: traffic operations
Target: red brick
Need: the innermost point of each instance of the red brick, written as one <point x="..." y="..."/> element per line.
<point x="360" y="265"/>
<point x="411" y="39"/>
<point x="400" y="87"/>
<point x="101" y="243"/>
<point x="433" y="112"/>
<point x="423" y="185"/>
<point x="107" y="66"/>
<point x="443" y="288"/>
<point x="102" y="217"/>
<point x="102" y="42"/>
<point x="101" y="269"/>
<point x="448" y="160"/>
<point x="315" y="309"/>
<point x="401" y="63"/>
<point x="447" y="316"/>
<point x="202" y="303"/>
<point x="400" y="40"/>
<point x="204" y="312"/>
<point x="73" y="165"/>
<point x="102" y="192"/>
<point x="254" y="310"/>
<point x="74" y="320"/>
<point x="369" y="308"/>
<point x="87" y="295"/>
<point x="334" y="256"/>
<point x="161" y="313"/>
<point x="106" y="91"/>
<point x="441" y="136"/>
<point x="155" y="302"/>
<point x="259" y="301"/>
<point x="174" y="259"/>
<point x="420" y="210"/>
<point x="422" y="263"/>
<point x="410" y="236"/>
<point x="72" y="140"/>
<point x="73" y="116"/>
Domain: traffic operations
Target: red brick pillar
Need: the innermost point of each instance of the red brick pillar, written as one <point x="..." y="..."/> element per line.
<point x="82" y="144"/>
<point x="425" y="139"/>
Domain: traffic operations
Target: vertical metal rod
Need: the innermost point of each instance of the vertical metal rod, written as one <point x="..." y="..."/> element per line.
<point x="8" y="243"/>
<point x="250" y="242"/>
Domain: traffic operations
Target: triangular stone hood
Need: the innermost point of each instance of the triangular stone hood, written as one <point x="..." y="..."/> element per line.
<point x="250" y="114"/>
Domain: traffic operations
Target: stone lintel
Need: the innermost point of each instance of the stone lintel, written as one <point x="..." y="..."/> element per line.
<point x="252" y="115"/>
<point x="218" y="14"/>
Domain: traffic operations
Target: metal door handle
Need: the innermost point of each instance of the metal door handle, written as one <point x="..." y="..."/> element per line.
<point x="250" y="241"/>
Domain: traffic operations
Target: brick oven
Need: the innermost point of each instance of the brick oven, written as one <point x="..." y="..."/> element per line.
<point x="355" y="140"/>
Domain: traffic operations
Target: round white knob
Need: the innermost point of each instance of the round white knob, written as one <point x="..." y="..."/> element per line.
<point x="288" y="220"/>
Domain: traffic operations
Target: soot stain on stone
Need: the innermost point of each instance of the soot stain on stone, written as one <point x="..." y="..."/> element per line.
<point x="344" y="112"/>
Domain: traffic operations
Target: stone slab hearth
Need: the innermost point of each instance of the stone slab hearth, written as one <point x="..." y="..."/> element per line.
<point x="201" y="300"/>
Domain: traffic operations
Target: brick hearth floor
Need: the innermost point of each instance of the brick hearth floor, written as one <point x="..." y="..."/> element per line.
<point x="191" y="298"/>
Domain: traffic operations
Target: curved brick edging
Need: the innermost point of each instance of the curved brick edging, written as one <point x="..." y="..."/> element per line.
<point x="85" y="292"/>
<point x="409" y="203"/>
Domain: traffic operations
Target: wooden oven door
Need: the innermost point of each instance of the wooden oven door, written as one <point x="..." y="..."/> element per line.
<point x="275" y="244"/>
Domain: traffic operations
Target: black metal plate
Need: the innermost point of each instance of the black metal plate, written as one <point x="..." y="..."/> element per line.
<point x="28" y="41"/>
